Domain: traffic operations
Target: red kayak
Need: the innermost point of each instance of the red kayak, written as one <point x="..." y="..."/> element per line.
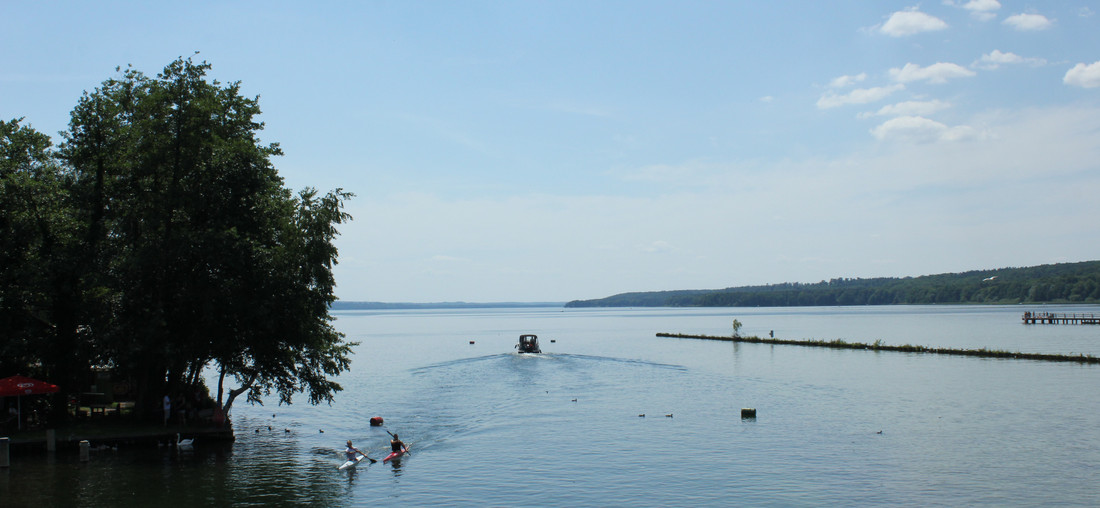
<point x="395" y="455"/>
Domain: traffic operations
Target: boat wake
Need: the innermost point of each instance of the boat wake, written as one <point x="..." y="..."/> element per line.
<point x="548" y="357"/>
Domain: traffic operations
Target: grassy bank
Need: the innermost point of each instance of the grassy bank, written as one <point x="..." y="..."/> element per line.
<point x="907" y="348"/>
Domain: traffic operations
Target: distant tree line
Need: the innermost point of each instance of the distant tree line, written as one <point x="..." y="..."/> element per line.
<point x="1056" y="283"/>
<point x="352" y="305"/>
<point x="158" y="241"/>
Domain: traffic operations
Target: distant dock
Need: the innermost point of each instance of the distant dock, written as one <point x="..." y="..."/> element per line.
<point x="1050" y="318"/>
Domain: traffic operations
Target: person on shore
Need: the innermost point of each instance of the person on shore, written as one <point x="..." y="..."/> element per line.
<point x="396" y="445"/>
<point x="350" y="451"/>
<point x="167" y="409"/>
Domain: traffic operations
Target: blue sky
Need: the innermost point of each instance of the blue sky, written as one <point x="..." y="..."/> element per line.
<point x="550" y="151"/>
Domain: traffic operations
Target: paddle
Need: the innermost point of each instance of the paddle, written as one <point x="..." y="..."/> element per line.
<point x="403" y="445"/>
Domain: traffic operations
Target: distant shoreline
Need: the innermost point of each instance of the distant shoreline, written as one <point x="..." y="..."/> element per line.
<point x="342" y="305"/>
<point x="1063" y="283"/>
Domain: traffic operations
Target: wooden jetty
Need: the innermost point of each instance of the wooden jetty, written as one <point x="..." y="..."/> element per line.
<point x="1050" y="318"/>
<point x="907" y="348"/>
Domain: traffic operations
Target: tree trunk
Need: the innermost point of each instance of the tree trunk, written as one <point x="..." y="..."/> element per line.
<point x="235" y="392"/>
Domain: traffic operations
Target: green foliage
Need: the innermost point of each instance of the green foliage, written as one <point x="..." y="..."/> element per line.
<point x="33" y="237"/>
<point x="736" y="328"/>
<point x="179" y="246"/>
<point x="1058" y="283"/>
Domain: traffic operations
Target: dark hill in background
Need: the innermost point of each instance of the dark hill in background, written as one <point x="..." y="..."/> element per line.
<point x="1057" y="283"/>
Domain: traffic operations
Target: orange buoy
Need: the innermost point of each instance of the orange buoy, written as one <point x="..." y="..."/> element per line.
<point x="376" y="421"/>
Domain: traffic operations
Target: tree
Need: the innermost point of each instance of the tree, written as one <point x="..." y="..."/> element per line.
<point x="41" y="292"/>
<point x="29" y="189"/>
<point x="736" y="328"/>
<point x="201" y="256"/>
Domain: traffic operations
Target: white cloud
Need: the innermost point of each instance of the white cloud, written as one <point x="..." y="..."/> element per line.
<point x="846" y="81"/>
<point x="911" y="22"/>
<point x="857" y="96"/>
<point x="657" y="246"/>
<point x="767" y="99"/>
<point x="920" y="129"/>
<point x="981" y="10"/>
<point x="994" y="60"/>
<point x="935" y="73"/>
<point x="982" y="5"/>
<point x="1028" y="22"/>
<point x="910" y="108"/>
<point x="1084" y="76"/>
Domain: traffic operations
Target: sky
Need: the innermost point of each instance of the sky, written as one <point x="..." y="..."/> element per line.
<point x="545" y="151"/>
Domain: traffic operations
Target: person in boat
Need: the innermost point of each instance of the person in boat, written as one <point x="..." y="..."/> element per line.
<point x="396" y="445"/>
<point x="350" y="451"/>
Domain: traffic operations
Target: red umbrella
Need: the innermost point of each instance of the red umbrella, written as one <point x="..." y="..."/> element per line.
<point x="18" y="386"/>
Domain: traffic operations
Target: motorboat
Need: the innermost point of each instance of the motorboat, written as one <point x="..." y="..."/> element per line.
<point x="528" y="344"/>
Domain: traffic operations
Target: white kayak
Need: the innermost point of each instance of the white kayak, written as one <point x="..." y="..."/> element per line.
<point x="352" y="463"/>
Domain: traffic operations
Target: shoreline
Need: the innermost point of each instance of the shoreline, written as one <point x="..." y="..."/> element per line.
<point x="114" y="434"/>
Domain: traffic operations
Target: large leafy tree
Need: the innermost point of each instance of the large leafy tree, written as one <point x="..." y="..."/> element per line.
<point x="29" y="190"/>
<point x="41" y="295"/>
<point x="201" y="257"/>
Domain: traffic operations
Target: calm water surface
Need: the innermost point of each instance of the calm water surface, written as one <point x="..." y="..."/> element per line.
<point x="490" y="427"/>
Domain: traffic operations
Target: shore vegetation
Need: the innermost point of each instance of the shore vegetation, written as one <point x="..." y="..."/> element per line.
<point x="158" y="241"/>
<point x="1055" y="283"/>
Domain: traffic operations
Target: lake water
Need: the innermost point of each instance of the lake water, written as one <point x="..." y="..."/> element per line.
<point x="488" y="427"/>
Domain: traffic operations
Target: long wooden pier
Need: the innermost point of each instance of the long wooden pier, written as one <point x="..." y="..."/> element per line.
<point x="907" y="348"/>
<point x="1050" y="318"/>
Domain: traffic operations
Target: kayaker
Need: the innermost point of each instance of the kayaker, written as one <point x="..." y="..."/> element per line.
<point x="350" y="451"/>
<point x="396" y="445"/>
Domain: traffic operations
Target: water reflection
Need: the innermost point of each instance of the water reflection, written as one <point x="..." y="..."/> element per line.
<point x="395" y="466"/>
<point x="264" y="469"/>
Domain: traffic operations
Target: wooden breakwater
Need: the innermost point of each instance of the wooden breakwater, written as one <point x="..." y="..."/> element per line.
<point x="1050" y="318"/>
<point x="907" y="348"/>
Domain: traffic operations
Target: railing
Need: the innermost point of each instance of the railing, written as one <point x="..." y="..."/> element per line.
<point x="1051" y="318"/>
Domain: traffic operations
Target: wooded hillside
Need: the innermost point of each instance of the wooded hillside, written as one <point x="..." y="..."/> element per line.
<point x="1057" y="283"/>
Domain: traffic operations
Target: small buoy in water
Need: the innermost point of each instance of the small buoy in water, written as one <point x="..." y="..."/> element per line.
<point x="376" y="421"/>
<point x="748" y="412"/>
